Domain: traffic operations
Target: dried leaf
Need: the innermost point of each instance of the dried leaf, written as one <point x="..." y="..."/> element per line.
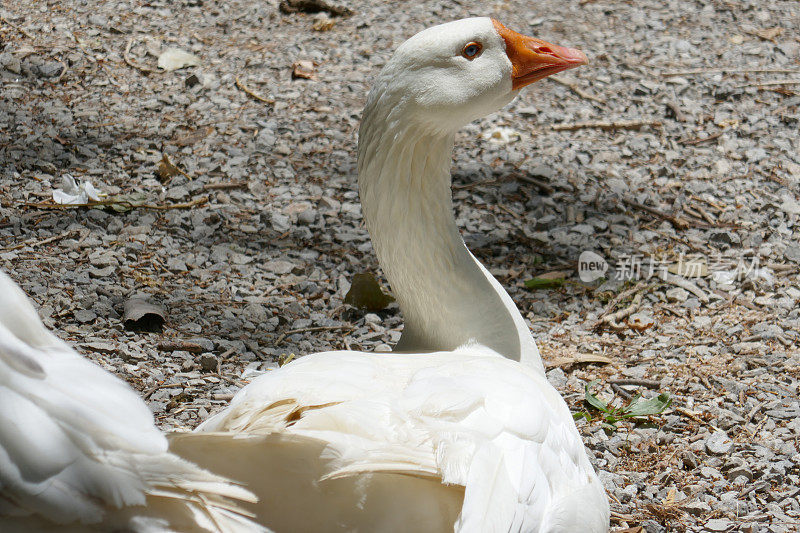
<point x="365" y="293"/>
<point x="175" y="58"/>
<point x="141" y="315"/>
<point x="323" y="22"/>
<point x="304" y="69"/>
<point x="576" y="359"/>
<point x="192" y="137"/>
<point x="122" y="203"/>
<point x="769" y="34"/>
<point x="167" y="170"/>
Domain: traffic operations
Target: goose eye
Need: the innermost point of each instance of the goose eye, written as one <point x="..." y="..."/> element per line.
<point x="472" y="50"/>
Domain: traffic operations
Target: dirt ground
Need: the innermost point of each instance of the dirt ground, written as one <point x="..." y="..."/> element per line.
<point x="231" y="203"/>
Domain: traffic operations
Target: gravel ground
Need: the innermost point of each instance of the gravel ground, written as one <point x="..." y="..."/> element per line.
<point x="694" y="178"/>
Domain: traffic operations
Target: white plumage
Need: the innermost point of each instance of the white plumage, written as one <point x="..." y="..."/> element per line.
<point x="79" y="450"/>
<point x="464" y="433"/>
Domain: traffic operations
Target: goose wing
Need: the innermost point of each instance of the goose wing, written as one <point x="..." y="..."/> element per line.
<point x="78" y="446"/>
<point x="493" y="433"/>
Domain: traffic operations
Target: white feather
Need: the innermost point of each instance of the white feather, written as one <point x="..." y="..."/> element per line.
<point x="79" y="448"/>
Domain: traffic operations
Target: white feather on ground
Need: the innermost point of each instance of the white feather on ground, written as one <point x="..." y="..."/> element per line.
<point x="79" y="450"/>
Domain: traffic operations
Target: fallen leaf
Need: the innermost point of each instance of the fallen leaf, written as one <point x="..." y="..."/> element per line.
<point x="304" y="69"/>
<point x="193" y="137"/>
<point x="122" y="203"/>
<point x="769" y="34"/>
<point x="323" y="22"/>
<point x="167" y="170"/>
<point x="141" y="315"/>
<point x="175" y="59"/>
<point x="365" y="293"/>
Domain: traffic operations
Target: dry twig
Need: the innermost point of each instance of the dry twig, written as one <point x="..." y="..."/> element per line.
<point x="34" y="243"/>
<point x="197" y="201"/>
<point x="769" y="83"/>
<point x="688" y="285"/>
<point x="648" y="383"/>
<point x="126" y="56"/>
<point x="613" y="319"/>
<point x="577" y="359"/>
<point x="675" y="221"/>
<point x="20" y="29"/>
<point x="731" y="70"/>
<point x="241" y="85"/>
<point x="607" y="125"/>
<point x="288" y="332"/>
<point x="577" y="90"/>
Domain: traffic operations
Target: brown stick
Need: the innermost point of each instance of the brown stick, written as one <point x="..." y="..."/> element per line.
<point x="286" y="333"/>
<point x="23" y="31"/>
<point x="197" y="201"/>
<point x="675" y="221"/>
<point x="541" y="185"/>
<point x="224" y="185"/>
<point x="729" y="70"/>
<point x="607" y="125"/>
<point x="179" y="346"/>
<point x="131" y="63"/>
<point x="33" y="242"/>
<point x="649" y="383"/>
<point x="577" y="90"/>
<point x="769" y="83"/>
<point x="240" y="84"/>
<point x="700" y="140"/>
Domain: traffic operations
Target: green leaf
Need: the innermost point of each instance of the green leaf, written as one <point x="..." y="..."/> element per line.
<point x="653" y="406"/>
<point x="582" y="414"/>
<point x="544" y="283"/>
<point x="593" y="400"/>
<point x="608" y="427"/>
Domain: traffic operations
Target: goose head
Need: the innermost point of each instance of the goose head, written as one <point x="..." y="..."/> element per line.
<point x="448" y="75"/>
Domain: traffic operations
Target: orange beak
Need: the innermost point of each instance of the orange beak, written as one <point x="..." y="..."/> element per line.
<point x="533" y="59"/>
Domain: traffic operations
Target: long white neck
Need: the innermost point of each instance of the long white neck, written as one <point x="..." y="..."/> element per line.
<point x="447" y="297"/>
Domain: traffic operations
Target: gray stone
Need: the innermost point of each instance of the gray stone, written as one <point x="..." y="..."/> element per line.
<point x="718" y="524"/>
<point x="208" y="362"/>
<point x="718" y="443"/>
<point x="84" y="316"/>
<point x="677" y="294"/>
<point x="50" y="69"/>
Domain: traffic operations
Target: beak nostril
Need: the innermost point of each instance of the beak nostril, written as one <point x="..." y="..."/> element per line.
<point x="544" y="50"/>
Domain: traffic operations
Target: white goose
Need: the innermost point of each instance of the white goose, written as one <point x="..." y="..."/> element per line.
<point x="458" y="429"/>
<point x="79" y="450"/>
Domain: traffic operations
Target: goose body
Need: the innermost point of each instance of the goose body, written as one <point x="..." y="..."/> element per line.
<point x="458" y="429"/>
<point x="79" y="450"/>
